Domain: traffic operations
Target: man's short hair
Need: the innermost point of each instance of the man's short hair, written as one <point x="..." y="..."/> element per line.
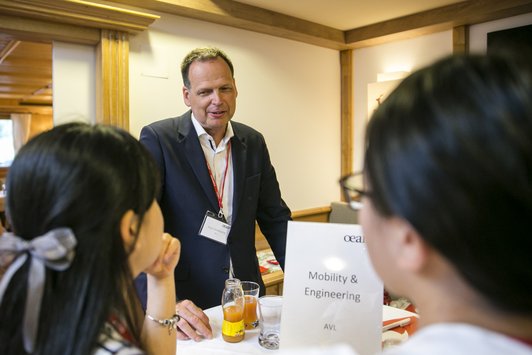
<point x="202" y="55"/>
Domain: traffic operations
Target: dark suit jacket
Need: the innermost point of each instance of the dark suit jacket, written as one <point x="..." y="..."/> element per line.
<point x="187" y="193"/>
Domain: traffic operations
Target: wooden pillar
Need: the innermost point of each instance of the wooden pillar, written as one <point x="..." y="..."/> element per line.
<point x="346" y="93"/>
<point x="112" y="95"/>
<point x="461" y="39"/>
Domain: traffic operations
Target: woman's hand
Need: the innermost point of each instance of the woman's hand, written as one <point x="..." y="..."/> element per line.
<point x="165" y="264"/>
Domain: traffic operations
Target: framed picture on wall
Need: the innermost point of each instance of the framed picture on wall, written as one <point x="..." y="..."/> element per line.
<point x="517" y="39"/>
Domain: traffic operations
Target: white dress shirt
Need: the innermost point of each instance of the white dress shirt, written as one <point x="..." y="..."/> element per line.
<point x="218" y="161"/>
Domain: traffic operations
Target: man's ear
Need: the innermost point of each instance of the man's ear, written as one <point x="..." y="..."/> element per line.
<point x="186" y="96"/>
<point x="128" y="229"/>
<point x="411" y="249"/>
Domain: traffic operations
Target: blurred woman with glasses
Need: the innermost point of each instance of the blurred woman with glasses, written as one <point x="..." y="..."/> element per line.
<point x="447" y="219"/>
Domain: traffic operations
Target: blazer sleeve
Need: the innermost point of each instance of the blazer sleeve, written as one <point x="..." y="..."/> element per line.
<point x="272" y="213"/>
<point x="150" y="139"/>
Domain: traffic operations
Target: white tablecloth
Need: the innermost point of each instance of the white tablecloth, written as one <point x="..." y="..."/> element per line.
<point x="250" y="344"/>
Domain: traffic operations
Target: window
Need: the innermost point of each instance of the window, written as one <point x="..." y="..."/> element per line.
<point x="7" y="150"/>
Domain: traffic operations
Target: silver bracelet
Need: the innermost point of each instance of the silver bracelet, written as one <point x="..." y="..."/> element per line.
<point x="170" y="323"/>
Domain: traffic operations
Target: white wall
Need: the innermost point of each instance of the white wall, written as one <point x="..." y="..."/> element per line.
<point x="478" y="33"/>
<point x="288" y="90"/>
<point x="409" y="55"/>
<point x="405" y="55"/>
<point x="74" y="82"/>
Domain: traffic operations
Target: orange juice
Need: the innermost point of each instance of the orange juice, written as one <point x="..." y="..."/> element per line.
<point x="233" y="324"/>
<point x="250" y="312"/>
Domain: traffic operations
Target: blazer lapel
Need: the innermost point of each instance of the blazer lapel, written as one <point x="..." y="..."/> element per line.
<point x="239" y="149"/>
<point x="196" y="158"/>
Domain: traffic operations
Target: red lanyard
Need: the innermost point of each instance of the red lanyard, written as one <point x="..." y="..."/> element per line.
<point x="218" y="194"/>
<point x="121" y="329"/>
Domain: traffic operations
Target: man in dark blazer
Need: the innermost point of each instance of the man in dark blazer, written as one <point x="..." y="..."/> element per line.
<point x="217" y="180"/>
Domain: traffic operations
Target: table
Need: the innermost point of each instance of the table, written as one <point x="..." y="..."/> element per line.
<point x="217" y="345"/>
<point x="250" y="344"/>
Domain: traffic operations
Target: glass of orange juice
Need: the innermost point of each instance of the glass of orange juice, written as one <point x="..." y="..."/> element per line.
<point x="251" y="295"/>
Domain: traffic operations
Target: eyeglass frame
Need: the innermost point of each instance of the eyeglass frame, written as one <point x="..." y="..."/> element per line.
<point x="353" y="204"/>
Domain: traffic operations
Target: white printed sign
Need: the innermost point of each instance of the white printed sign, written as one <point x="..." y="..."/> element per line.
<point x="331" y="293"/>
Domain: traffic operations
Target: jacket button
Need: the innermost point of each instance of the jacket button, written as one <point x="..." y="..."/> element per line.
<point x="225" y="270"/>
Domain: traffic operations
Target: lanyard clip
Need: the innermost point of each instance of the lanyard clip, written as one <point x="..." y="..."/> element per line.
<point x="221" y="216"/>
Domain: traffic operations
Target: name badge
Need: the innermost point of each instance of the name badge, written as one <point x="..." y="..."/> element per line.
<point x="215" y="228"/>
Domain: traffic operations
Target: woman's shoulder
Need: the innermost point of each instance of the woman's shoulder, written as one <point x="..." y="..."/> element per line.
<point x="459" y="338"/>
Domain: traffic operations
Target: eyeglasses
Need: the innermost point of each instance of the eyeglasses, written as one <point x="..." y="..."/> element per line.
<point x="353" y="189"/>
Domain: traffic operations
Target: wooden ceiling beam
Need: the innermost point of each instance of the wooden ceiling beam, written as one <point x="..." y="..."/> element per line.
<point x="34" y="30"/>
<point x="80" y="12"/>
<point x="37" y="109"/>
<point x="16" y="87"/>
<point x="239" y="15"/>
<point x="5" y="76"/>
<point x="6" y="51"/>
<point x="439" y="19"/>
<point x="27" y="62"/>
<point x="25" y="71"/>
<point x="247" y="17"/>
<point x="105" y="14"/>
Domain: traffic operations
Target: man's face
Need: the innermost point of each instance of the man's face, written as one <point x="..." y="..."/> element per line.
<point x="212" y="95"/>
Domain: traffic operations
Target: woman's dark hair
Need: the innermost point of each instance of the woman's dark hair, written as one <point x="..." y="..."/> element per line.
<point x="450" y="151"/>
<point x="84" y="177"/>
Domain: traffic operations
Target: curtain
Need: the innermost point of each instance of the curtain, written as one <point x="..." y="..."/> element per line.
<point x="21" y="129"/>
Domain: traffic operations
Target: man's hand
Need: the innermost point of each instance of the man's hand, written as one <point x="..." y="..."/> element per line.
<point x="194" y="324"/>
